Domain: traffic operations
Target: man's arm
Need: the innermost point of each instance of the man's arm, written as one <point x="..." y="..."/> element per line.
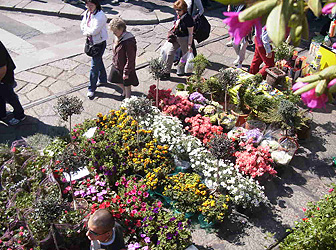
<point x="3" y="71"/>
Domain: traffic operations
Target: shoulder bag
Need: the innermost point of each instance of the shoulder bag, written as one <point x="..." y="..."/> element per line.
<point x="201" y="26"/>
<point x="92" y="49"/>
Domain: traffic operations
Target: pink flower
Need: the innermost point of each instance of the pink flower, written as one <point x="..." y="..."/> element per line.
<point x="310" y="98"/>
<point x="334" y="46"/>
<point x="20" y="233"/>
<point x="327" y="8"/>
<point x="332" y="82"/>
<point x="238" y="30"/>
<point x="330" y="190"/>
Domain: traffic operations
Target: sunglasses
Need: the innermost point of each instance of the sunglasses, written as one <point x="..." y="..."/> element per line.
<point x="178" y="10"/>
<point x="96" y="234"/>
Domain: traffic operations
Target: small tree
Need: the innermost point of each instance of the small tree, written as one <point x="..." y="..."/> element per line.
<point x="157" y="69"/>
<point x="226" y="78"/>
<point x="67" y="106"/>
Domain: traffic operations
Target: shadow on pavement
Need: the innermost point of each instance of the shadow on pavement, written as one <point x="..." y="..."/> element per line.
<point x="28" y="127"/>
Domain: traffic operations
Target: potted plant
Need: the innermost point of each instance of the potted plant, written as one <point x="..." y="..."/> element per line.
<point x="227" y="78"/>
<point x="67" y="106"/>
<point x="157" y="69"/>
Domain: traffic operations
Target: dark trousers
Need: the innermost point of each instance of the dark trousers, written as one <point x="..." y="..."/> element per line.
<point x="7" y="95"/>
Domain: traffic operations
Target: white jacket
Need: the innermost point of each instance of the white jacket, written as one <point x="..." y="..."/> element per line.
<point x="97" y="28"/>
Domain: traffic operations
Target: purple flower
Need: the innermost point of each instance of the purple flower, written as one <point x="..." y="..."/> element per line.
<point x="143" y="235"/>
<point x="144" y="219"/>
<point x="197" y="98"/>
<point x="172" y="219"/>
<point x="255" y="134"/>
<point x="156" y="210"/>
<point x="327" y="8"/>
<point x="147" y="239"/>
<point x="169" y="236"/>
<point x="158" y="242"/>
<point x="238" y="30"/>
<point x="150" y="218"/>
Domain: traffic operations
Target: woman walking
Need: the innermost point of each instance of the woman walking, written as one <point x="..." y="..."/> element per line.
<point x="183" y="30"/>
<point x="124" y="54"/>
<point x="93" y="26"/>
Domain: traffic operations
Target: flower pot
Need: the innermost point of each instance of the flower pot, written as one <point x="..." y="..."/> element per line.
<point x="203" y="223"/>
<point x="241" y="118"/>
<point x="276" y="77"/>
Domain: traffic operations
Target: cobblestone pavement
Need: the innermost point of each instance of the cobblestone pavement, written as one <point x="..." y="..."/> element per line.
<point x="304" y="180"/>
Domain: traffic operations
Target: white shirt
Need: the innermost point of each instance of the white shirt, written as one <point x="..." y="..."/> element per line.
<point x="94" y="26"/>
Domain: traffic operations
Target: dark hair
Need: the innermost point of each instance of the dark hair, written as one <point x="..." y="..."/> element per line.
<point x="95" y="2"/>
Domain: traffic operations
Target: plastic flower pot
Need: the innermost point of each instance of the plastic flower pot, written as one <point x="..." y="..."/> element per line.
<point x="182" y="166"/>
<point x="241" y="118"/>
<point x="203" y="223"/>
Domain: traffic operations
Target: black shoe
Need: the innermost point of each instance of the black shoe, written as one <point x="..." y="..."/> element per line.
<point x="165" y="76"/>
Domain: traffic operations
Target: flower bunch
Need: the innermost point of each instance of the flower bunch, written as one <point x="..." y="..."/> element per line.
<point x="202" y="128"/>
<point x="17" y="239"/>
<point x="186" y="191"/>
<point x="163" y="93"/>
<point x="176" y="106"/>
<point x="185" y="145"/>
<point x="215" y="207"/>
<point x="245" y="191"/>
<point x="237" y="133"/>
<point x="254" y="161"/>
<point x="198" y="99"/>
<point x="92" y="189"/>
<point x="255" y="134"/>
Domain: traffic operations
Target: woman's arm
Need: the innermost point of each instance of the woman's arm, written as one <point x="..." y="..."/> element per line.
<point x="97" y="24"/>
<point x="130" y="51"/>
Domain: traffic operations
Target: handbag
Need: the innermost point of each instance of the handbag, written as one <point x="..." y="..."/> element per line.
<point x="171" y="36"/>
<point x="92" y="49"/>
<point x="201" y="26"/>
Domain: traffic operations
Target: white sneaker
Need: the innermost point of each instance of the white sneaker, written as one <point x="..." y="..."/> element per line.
<point x="240" y="65"/>
<point x="230" y="43"/>
<point x="235" y="62"/>
<point x="15" y="121"/>
<point x="115" y="1"/>
<point x="90" y="94"/>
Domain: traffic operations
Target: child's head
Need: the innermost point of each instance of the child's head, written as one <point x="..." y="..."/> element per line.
<point x="100" y="225"/>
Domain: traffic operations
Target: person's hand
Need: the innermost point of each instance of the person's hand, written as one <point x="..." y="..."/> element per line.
<point x="125" y="77"/>
<point x="269" y="55"/>
<point x="190" y="49"/>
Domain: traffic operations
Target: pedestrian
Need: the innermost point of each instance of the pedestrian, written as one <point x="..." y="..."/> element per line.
<point x="124" y="54"/>
<point x="7" y="94"/>
<point x="239" y="48"/>
<point x="93" y="26"/>
<point x="262" y="54"/>
<point x="181" y="35"/>
<point x="104" y="232"/>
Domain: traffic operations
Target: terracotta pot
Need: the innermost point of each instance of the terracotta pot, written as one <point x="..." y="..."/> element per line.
<point x="241" y="118"/>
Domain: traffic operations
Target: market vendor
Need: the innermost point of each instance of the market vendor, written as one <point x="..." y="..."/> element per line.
<point x="104" y="232"/>
<point x="262" y="54"/>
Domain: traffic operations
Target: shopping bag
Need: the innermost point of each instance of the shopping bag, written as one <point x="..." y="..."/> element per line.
<point x="164" y="50"/>
<point x="189" y="66"/>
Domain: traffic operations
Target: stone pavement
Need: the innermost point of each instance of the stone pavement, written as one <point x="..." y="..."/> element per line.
<point x="306" y="178"/>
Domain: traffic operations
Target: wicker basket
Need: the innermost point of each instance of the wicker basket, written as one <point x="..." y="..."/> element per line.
<point x="276" y="77"/>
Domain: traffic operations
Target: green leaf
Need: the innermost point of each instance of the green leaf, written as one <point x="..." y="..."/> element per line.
<point x="276" y="25"/>
<point x="315" y="6"/>
<point x="257" y="10"/>
<point x="180" y="86"/>
<point x="305" y="28"/>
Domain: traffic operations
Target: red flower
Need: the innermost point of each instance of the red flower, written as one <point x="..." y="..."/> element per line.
<point x="305" y="219"/>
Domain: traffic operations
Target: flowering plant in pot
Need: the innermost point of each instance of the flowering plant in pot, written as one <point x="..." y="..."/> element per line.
<point x="253" y="161"/>
<point x="201" y="127"/>
<point x="186" y="191"/>
<point x="215" y="208"/>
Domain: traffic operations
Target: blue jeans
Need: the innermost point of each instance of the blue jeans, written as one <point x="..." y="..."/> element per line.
<point x="7" y="95"/>
<point x="97" y="69"/>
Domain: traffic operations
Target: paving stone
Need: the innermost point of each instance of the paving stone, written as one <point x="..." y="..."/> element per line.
<point x="10" y="4"/>
<point x="47" y="70"/>
<point x="59" y="87"/>
<point x="30" y="77"/>
<point x="38" y="94"/>
<point x="22" y="4"/>
<point x="45" y="110"/>
<point x="26" y="89"/>
<point x="82" y="69"/>
<point x="146" y="57"/>
<point x="76" y="80"/>
<point x="24" y="100"/>
<point x="82" y="58"/>
<point x="20" y="84"/>
<point x="47" y="82"/>
<point x="66" y="75"/>
<point x="66" y="64"/>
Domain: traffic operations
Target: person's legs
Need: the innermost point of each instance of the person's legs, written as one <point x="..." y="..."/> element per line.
<point x="269" y="62"/>
<point x="256" y="61"/>
<point x="128" y="91"/>
<point x="97" y="68"/>
<point x="170" y="56"/>
<point x="102" y="70"/>
<point x="8" y="95"/>
<point x="242" y="50"/>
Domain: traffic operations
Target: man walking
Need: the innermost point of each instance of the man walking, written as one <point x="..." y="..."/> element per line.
<point x="7" y="94"/>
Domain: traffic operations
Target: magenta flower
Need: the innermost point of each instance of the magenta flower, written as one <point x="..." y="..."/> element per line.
<point x="238" y="30"/>
<point x="327" y="8"/>
<point x="310" y="98"/>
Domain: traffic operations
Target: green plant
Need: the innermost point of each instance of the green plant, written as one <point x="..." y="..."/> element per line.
<point x="226" y="78"/>
<point x="215" y="208"/>
<point x="39" y="141"/>
<point x="5" y="153"/>
<point x="157" y="68"/>
<point x="316" y="231"/>
<point x="67" y="106"/>
<point x="283" y="52"/>
<point x="200" y="63"/>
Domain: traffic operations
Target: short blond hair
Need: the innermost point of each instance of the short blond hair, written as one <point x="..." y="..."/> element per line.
<point x="117" y="23"/>
<point x="182" y="5"/>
